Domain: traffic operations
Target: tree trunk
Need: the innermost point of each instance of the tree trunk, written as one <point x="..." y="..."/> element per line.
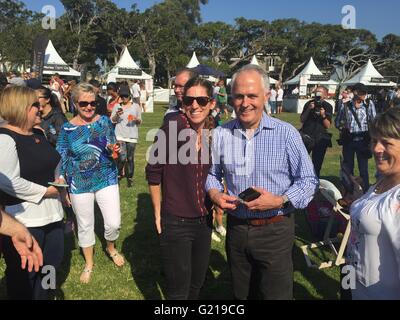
<point x="152" y="63"/>
<point x="76" y="56"/>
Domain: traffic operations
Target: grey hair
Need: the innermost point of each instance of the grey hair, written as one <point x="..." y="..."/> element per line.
<point x="82" y="87"/>
<point x="255" y="68"/>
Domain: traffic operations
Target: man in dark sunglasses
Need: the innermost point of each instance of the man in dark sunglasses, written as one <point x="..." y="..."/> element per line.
<point x="353" y="122"/>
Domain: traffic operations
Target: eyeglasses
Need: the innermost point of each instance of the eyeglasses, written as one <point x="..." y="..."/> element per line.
<point x="201" y="101"/>
<point x="36" y="104"/>
<point x="84" y="104"/>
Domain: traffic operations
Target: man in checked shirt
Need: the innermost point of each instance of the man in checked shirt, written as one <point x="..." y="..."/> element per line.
<point x="262" y="152"/>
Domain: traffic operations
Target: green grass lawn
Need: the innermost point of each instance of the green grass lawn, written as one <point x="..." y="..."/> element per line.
<point x="141" y="278"/>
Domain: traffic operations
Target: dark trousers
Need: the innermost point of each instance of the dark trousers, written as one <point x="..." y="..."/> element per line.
<point x="24" y="285"/>
<point x="318" y="155"/>
<point x="185" y="252"/>
<point x="358" y="148"/>
<point x="127" y="158"/>
<point x="261" y="253"/>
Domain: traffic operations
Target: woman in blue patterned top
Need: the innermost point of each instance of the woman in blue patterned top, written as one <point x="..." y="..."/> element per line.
<point x="86" y="145"/>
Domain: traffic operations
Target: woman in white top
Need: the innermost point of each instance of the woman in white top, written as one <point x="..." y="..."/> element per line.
<point x="374" y="243"/>
<point x="127" y="116"/>
<point x="28" y="163"/>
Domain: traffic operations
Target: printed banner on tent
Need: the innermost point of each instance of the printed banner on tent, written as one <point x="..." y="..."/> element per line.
<point x="129" y="72"/>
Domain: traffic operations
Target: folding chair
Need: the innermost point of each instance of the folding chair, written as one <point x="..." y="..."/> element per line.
<point x="333" y="195"/>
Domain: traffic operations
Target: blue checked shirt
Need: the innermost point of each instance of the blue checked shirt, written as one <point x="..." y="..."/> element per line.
<point x="351" y="122"/>
<point x="274" y="159"/>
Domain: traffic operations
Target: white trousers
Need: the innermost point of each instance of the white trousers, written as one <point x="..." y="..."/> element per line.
<point x="108" y="202"/>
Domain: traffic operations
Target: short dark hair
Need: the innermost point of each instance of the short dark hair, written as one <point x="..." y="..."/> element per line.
<point x="112" y="86"/>
<point x="95" y="83"/>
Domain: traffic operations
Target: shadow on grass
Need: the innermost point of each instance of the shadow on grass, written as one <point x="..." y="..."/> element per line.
<point x="141" y="250"/>
<point x="218" y="283"/>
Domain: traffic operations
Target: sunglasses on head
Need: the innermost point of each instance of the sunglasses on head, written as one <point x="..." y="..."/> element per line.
<point x="201" y="101"/>
<point x="84" y="104"/>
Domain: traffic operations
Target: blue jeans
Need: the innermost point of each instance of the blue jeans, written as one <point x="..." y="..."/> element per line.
<point x="185" y="253"/>
<point x="273" y="106"/>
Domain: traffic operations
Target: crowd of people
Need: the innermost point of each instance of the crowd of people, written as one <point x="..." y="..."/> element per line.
<point x="255" y="168"/>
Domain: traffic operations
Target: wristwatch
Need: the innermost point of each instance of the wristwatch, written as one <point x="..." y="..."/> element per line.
<point x="286" y="202"/>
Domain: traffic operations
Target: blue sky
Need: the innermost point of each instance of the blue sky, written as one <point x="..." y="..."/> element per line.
<point x="381" y="17"/>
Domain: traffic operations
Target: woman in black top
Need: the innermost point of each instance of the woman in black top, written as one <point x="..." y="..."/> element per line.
<point x="182" y="218"/>
<point x="52" y="116"/>
<point x="28" y="163"/>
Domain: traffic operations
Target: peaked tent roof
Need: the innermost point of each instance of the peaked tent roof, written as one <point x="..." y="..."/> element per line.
<point x="255" y="62"/>
<point x="52" y="60"/>
<point x="365" y="74"/>
<point x="194" y="62"/>
<point x="310" y="69"/>
<point x="126" y="62"/>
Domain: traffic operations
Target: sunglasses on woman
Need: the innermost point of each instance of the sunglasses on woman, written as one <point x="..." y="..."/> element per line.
<point x="201" y="101"/>
<point x="36" y="104"/>
<point x="84" y="104"/>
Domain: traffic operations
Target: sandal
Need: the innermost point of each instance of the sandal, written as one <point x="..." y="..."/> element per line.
<point x="117" y="258"/>
<point x="86" y="275"/>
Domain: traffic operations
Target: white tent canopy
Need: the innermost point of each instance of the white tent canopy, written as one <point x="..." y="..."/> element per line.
<point x="255" y="62"/>
<point x="53" y="63"/>
<point x="310" y="70"/>
<point x="126" y="68"/>
<point x="368" y="73"/>
<point x="194" y="62"/>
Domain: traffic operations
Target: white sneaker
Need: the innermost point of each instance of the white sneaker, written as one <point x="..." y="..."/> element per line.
<point x="215" y="237"/>
<point x="221" y="230"/>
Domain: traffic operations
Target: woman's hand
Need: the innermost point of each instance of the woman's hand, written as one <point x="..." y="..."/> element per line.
<point x="66" y="201"/>
<point x="52" y="192"/>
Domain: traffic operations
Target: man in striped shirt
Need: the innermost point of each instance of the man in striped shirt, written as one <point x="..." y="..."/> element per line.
<point x="267" y="154"/>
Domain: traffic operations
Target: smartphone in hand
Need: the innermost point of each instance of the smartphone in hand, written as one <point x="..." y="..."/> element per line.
<point x="249" y="195"/>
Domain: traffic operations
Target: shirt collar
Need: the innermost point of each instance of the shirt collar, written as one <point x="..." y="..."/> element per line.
<point x="266" y="122"/>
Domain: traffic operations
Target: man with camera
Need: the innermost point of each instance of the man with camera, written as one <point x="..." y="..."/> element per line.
<point x="316" y="119"/>
<point x="353" y="121"/>
<point x="268" y="174"/>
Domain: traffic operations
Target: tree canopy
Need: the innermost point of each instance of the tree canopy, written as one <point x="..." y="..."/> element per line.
<point x="162" y="38"/>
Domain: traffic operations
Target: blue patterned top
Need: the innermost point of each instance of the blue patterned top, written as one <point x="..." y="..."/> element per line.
<point x="87" y="164"/>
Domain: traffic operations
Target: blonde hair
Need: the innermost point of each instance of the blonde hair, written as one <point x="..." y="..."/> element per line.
<point x="82" y="87"/>
<point x="15" y="102"/>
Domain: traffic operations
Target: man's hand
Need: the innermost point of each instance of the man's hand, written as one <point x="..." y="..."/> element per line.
<point x="223" y="201"/>
<point x="266" y="201"/>
<point x="28" y="248"/>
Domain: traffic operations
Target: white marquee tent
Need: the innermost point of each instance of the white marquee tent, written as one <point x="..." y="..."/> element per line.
<point x="194" y="62"/>
<point x="369" y="76"/>
<point x="308" y="71"/>
<point x="127" y="69"/>
<point x="53" y="63"/>
<point x="255" y="62"/>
